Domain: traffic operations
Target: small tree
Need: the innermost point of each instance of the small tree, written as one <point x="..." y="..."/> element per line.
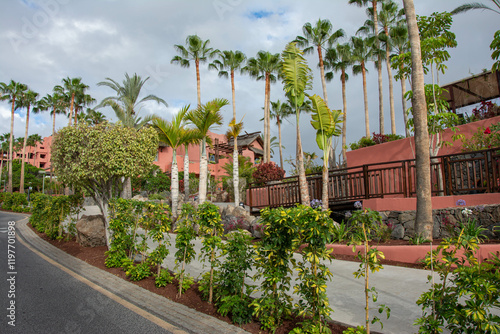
<point x="98" y="158"/>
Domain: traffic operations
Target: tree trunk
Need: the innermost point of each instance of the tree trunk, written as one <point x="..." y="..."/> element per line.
<point x="127" y="188"/>
<point x="175" y="184"/>
<point x="365" y="96"/>
<point x="391" y="89"/>
<point x="379" y="70"/>
<point x="279" y="137"/>
<point x="344" y="118"/>
<point x="304" y="191"/>
<point x="23" y="159"/>
<point x="322" y="73"/>
<point x="202" y="196"/>
<point x="52" y="139"/>
<point x="236" y="175"/>
<point x="71" y="108"/>
<point x="233" y="95"/>
<point x="403" y="103"/>
<point x="266" y="119"/>
<point x="186" y="173"/>
<point x="198" y="89"/>
<point x="324" y="193"/>
<point x="11" y="156"/>
<point x="423" y="220"/>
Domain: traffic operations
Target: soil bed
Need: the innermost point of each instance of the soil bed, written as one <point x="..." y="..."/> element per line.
<point x="191" y="298"/>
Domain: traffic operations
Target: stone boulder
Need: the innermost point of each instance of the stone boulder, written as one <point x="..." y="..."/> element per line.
<point x="90" y="231"/>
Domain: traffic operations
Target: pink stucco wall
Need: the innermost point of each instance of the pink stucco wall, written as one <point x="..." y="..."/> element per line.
<point x="403" y="149"/>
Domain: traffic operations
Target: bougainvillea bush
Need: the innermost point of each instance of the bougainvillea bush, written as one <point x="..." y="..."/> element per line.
<point x="268" y="172"/>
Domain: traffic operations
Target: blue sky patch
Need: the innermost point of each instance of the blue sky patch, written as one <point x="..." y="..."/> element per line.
<point x="259" y="14"/>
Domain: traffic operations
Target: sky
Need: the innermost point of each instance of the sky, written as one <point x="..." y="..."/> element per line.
<point x="44" y="41"/>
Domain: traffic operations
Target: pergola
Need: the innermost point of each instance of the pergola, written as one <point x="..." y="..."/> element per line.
<point x="472" y="90"/>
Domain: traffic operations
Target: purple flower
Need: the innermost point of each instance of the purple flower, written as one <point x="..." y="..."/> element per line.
<point x="461" y="202"/>
<point x="316" y="203"/>
<point x="358" y="205"/>
<point x="480" y="208"/>
<point x="348" y="214"/>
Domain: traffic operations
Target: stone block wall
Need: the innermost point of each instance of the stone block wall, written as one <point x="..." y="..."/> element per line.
<point x="403" y="222"/>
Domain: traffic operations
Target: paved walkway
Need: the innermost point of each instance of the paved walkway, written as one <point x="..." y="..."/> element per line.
<point x="398" y="288"/>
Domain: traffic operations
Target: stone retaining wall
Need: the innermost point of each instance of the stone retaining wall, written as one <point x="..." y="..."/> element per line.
<point x="403" y="222"/>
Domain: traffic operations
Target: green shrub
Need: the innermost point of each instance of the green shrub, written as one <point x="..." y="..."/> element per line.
<point x="164" y="278"/>
<point x="14" y="200"/>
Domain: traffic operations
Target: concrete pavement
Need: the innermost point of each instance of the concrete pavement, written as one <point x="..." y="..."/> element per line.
<point x="398" y="288"/>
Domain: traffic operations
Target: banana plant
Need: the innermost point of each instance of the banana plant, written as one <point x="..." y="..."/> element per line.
<point x="326" y="123"/>
<point x="297" y="78"/>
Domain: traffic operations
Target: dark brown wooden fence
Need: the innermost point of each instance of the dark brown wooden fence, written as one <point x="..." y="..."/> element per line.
<point x="454" y="174"/>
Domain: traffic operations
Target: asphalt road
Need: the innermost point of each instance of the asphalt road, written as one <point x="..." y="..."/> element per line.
<point x="39" y="298"/>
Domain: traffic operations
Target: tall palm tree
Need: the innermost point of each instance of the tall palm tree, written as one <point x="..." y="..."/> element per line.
<point x="229" y="61"/>
<point x="11" y="93"/>
<point x="33" y="141"/>
<point x="127" y="105"/>
<point x="194" y="140"/>
<point x="319" y="36"/>
<point x="57" y="105"/>
<point x="423" y="219"/>
<point x="27" y="101"/>
<point x="399" y="38"/>
<point x="204" y="118"/>
<point x="390" y="15"/>
<point x="73" y="88"/>
<point x="81" y="101"/>
<point x="174" y="134"/>
<point x="338" y="59"/>
<point x="233" y="132"/>
<point x="197" y="50"/>
<point x="265" y="67"/>
<point x="374" y="10"/>
<point x="297" y="79"/>
<point x="476" y="5"/>
<point x="361" y="53"/>
<point x="280" y="111"/>
<point x="94" y="117"/>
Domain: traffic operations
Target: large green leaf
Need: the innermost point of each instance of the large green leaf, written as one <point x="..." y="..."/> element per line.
<point x="296" y="74"/>
<point x="324" y="121"/>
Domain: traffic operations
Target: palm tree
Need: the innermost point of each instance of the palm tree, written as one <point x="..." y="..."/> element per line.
<point x="11" y="92"/>
<point x="265" y="67"/>
<point x="476" y="5"/>
<point x="361" y="53"/>
<point x="338" y="60"/>
<point x="297" y="78"/>
<point x="72" y="88"/>
<point x="204" y="118"/>
<point x="399" y="38"/>
<point x="94" y="117"/>
<point x="319" y="35"/>
<point x="198" y="51"/>
<point x="27" y="101"/>
<point x="280" y="111"/>
<point x="81" y="101"/>
<point x="33" y="141"/>
<point x="233" y="132"/>
<point x="229" y="61"/>
<point x="390" y="15"/>
<point x="423" y="219"/>
<point x="174" y="134"/>
<point x="374" y="9"/>
<point x="126" y="105"/>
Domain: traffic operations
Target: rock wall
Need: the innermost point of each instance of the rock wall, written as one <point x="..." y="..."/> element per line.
<point x="403" y="222"/>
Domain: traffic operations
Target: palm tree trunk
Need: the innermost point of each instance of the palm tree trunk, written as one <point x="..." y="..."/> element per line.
<point x="365" y="96"/>
<point x="175" y="184"/>
<point x="344" y="118"/>
<point x="53" y="133"/>
<point x="21" y="183"/>
<point x="279" y="137"/>
<point x="391" y="89"/>
<point x="403" y="103"/>
<point x="71" y="108"/>
<point x="423" y="220"/>
<point x="198" y="86"/>
<point x="203" y="173"/>
<point x="322" y="73"/>
<point x="236" y="175"/>
<point x="9" y="184"/>
<point x="266" y="120"/>
<point x="324" y="197"/>
<point x="304" y="191"/>
<point x="233" y="94"/>
<point x="186" y="173"/>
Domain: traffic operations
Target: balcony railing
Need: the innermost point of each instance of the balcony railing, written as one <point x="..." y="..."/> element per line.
<point x="454" y="174"/>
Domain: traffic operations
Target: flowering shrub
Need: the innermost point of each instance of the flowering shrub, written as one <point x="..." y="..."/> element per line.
<point x="482" y="139"/>
<point x="486" y="110"/>
<point x="376" y="138"/>
<point x="316" y="204"/>
<point x="268" y="172"/>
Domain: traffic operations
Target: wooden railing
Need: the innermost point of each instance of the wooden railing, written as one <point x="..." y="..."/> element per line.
<point x="454" y="174"/>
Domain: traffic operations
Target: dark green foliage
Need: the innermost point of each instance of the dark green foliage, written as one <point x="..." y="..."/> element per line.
<point x="163" y="278"/>
<point x="374" y="140"/>
<point x="31" y="176"/>
<point x="184" y="242"/>
<point x="13" y="201"/>
<point x="139" y="272"/>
